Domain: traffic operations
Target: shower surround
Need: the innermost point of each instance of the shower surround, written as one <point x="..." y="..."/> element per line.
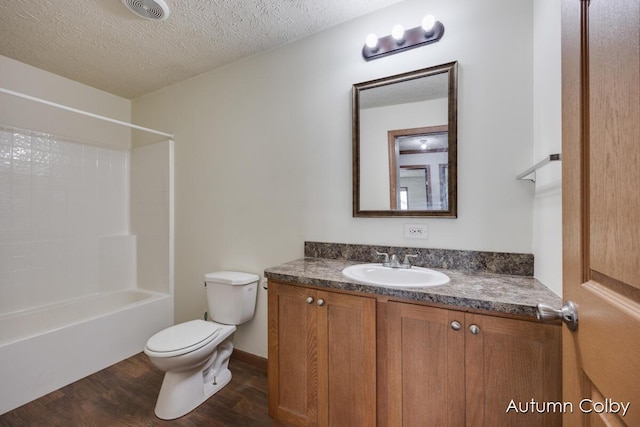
<point x="68" y="239"/>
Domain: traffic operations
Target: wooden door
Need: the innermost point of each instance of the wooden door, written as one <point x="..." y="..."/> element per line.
<point x="292" y="362"/>
<point x="425" y="365"/>
<point x="601" y="210"/>
<point x="346" y="360"/>
<point x="509" y="362"/>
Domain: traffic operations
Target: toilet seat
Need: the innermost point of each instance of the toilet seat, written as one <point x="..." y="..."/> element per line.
<point x="183" y="338"/>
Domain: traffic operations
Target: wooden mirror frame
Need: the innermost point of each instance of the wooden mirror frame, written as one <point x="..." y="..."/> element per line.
<point x="452" y="127"/>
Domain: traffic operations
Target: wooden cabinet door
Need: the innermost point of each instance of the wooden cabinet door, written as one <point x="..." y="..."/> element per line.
<point x="507" y="361"/>
<point x="322" y="357"/>
<point x="292" y="362"/>
<point x="425" y="365"/>
<point x="448" y="368"/>
<point x="346" y="360"/>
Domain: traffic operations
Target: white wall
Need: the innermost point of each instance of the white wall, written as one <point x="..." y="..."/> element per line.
<point x="263" y="146"/>
<point x="547" y="139"/>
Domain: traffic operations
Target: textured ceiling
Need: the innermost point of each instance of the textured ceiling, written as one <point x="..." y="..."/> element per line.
<point x="104" y="45"/>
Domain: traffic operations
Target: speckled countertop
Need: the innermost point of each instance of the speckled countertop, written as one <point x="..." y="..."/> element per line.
<point x="503" y="293"/>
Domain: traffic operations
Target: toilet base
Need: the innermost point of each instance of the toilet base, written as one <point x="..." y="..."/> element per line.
<point x="182" y="392"/>
<point x="179" y="396"/>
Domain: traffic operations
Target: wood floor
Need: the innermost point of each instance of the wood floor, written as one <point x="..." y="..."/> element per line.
<point x="125" y="395"/>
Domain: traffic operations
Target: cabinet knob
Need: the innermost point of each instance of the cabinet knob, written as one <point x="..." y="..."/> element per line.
<point x="320" y="302"/>
<point x="309" y="300"/>
<point x="456" y="326"/>
<point x="475" y="329"/>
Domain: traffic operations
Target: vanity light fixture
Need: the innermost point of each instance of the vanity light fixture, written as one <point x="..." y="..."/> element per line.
<point x="397" y="32"/>
<point x="372" y="42"/>
<point x="430" y="31"/>
<point x="428" y="25"/>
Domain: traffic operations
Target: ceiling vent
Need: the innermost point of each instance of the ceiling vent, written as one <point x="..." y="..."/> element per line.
<point x="156" y="10"/>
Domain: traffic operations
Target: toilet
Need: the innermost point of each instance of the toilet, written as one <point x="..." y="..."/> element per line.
<point x="195" y="354"/>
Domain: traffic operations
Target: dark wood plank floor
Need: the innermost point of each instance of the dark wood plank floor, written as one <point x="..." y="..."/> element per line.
<point x="125" y="395"/>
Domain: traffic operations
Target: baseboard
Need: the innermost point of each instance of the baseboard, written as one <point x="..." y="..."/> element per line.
<point x="248" y="358"/>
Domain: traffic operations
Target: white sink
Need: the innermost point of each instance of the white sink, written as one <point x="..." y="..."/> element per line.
<point x="376" y="274"/>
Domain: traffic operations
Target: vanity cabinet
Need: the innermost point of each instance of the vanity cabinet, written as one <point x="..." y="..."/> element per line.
<point x="343" y="359"/>
<point x="451" y="368"/>
<point x="322" y="357"/>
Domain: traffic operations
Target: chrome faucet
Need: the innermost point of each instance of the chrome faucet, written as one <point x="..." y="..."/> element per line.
<point x="406" y="263"/>
<point x="395" y="262"/>
<point x="385" y="261"/>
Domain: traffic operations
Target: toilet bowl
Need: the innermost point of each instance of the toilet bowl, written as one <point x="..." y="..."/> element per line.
<point x="195" y="354"/>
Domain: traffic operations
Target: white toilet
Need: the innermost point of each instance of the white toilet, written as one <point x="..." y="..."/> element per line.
<point x="195" y="354"/>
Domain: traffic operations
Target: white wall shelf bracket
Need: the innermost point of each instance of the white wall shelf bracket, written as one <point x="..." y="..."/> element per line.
<point x="530" y="174"/>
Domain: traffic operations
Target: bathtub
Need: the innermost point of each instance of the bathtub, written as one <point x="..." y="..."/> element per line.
<point x="47" y="348"/>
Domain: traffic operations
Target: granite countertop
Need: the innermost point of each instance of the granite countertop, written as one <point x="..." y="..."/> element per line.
<point x="518" y="295"/>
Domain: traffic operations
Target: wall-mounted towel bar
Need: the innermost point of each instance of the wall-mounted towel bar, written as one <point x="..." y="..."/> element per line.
<point x="530" y="173"/>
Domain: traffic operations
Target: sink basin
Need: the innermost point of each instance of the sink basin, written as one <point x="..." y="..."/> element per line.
<point x="376" y="274"/>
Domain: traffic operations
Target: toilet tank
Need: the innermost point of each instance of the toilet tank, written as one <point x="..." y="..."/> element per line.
<point x="231" y="296"/>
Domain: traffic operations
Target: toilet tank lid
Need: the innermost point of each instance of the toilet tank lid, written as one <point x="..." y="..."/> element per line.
<point x="231" y="277"/>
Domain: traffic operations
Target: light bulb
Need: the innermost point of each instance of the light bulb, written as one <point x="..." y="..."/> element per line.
<point x="372" y="41"/>
<point x="428" y="22"/>
<point x="397" y="32"/>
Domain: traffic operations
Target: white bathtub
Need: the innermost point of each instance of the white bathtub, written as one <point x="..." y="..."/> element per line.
<point x="47" y="348"/>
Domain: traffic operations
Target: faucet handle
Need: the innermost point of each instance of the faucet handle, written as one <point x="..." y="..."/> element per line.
<point x="406" y="262"/>
<point x="386" y="256"/>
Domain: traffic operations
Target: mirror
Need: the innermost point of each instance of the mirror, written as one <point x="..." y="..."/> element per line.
<point x="405" y="144"/>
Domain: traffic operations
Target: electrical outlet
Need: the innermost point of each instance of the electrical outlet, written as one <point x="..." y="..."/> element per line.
<point x="415" y="231"/>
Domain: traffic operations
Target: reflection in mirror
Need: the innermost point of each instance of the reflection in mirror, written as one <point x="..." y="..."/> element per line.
<point x="418" y="162"/>
<point x="404" y="145"/>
